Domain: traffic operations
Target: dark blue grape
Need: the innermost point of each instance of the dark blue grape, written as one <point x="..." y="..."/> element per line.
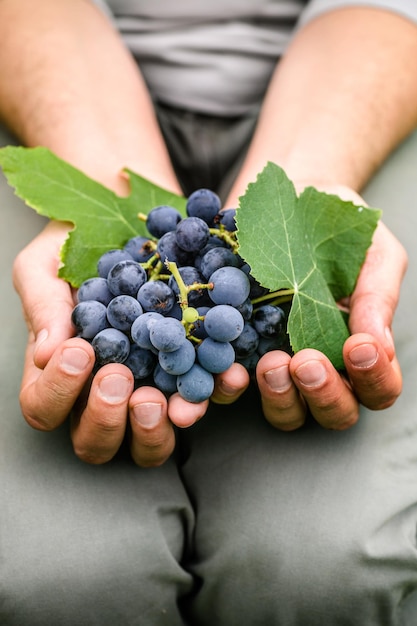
<point x="167" y="334"/>
<point x="140" y="248"/>
<point x="126" y="278"/>
<point x="169" y="250"/>
<point x="122" y="312"/>
<point x="247" y="342"/>
<point x="167" y="383"/>
<point x="111" y="346"/>
<point x="246" y="309"/>
<point x="223" y="323"/>
<point x="215" y="258"/>
<point x="89" y="318"/>
<point x="205" y="204"/>
<point x="227" y="219"/>
<point x="230" y="286"/>
<point x="141" y="362"/>
<point x="95" y="289"/>
<point x="195" y="385"/>
<point x="192" y="234"/>
<point x="162" y="219"/>
<point x="141" y="329"/>
<point x="269" y="320"/>
<point x="155" y="295"/>
<point x="179" y="361"/>
<point x="110" y="258"/>
<point x="215" y="356"/>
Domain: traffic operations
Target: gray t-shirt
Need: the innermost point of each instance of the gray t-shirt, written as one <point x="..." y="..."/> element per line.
<point x="217" y="56"/>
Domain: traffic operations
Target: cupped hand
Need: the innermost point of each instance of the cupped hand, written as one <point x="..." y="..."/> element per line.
<point x="290" y="387"/>
<point x="57" y="376"/>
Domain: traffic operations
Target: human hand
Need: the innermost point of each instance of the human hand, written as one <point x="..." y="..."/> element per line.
<point x="290" y="387"/>
<point x="57" y="378"/>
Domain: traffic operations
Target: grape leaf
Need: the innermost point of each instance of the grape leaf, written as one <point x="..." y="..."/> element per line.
<point x="313" y="244"/>
<point x="102" y="219"/>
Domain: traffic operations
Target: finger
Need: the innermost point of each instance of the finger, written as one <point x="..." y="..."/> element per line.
<point x="281" y="403"/>
<point x="377" y="381"/>
<point x="375" y="298"/>
<point x="326" y="393"/>
<point x="230" y="385"/>
<point x="152" y="434"/>
<point x="47" y="396"/>
<point x="46" y="299"/>
<point x="99" y="431"/>
<point x="184" y="414"/>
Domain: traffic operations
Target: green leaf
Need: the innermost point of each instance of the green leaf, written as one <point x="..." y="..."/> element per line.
<point x="314" y="244"/>
<point x="102" y="219"/>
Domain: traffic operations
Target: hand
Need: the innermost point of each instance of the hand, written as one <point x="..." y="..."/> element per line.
<point x="57" y="377"/>
<point x="307" y="381"/>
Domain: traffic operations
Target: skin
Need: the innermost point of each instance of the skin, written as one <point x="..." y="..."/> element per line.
<point x="95" y="114"/>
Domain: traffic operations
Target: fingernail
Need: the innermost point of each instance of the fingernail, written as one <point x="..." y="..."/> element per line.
<point x="147" y="414"/>
<point x="114" y="388"/>
<point x="278" y="379"/>
<point x="363" y="356"/>
<point x="311" y="374"/>
<point x="74" y="360"/>
<point x="227" y="389"/>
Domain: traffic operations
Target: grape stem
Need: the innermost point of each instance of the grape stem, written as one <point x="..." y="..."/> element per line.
<point x="227" y="236"/>
<point x="183" y="288"/>
<point x="278" y="297"/>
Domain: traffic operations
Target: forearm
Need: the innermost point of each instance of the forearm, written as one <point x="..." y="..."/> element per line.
<point x="67" y="82"/>
<point x="342" y="98"/>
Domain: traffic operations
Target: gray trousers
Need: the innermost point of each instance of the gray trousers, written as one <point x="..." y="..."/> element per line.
<point x="247" y="526"/>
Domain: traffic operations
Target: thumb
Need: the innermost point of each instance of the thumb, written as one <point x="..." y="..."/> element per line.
<point x="47" y="300"/>
<point x="375" y="298"/>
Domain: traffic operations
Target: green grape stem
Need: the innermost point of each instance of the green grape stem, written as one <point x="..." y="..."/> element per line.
<point x="275" y="297"/>
<point x="227" y="236"/>
<point x="183" y="288"/>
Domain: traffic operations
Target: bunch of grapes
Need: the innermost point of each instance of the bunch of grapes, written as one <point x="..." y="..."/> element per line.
<point x="180" y="306"/>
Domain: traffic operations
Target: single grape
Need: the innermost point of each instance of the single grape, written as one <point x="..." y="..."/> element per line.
<point x="169" y="250"/>
<point x="215" y="356"/>
<point x="247" y="342"/>
<point x="110" y="258"/>
<point x="190" y="315"/>
<point x="269" y="320"/>
<point x="223" y="322"/>
<point x="215" y="258"/>
<point x="227" y="219"/>
<point x="192" y="234"/>
<point x="111" y="346"/>
<point x="140" y="248"/>
<point x="246" y="309"/>
<point x="167" y="334"/>
<point x="205" y="204"/>
<point x="167" y="383"/>
<point x="141" y="328"/>
<point x="126" y="278"/>
<point x="155" y="295"/>
<point x="122" y="312"/>
<point x="95" y="289"/>
<point x="267" y="344"/>
<point x="179" y="361"/>
<point x="230" y="286"/>
<point x="195" y="385"/>
<point x="89" y="318"/>
<point x="140" y="361"/>
<point x="162" y="219"/>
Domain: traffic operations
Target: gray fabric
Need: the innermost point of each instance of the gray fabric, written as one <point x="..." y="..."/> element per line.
<point x="286" y="529"/>
<point x="217" y="57"/>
